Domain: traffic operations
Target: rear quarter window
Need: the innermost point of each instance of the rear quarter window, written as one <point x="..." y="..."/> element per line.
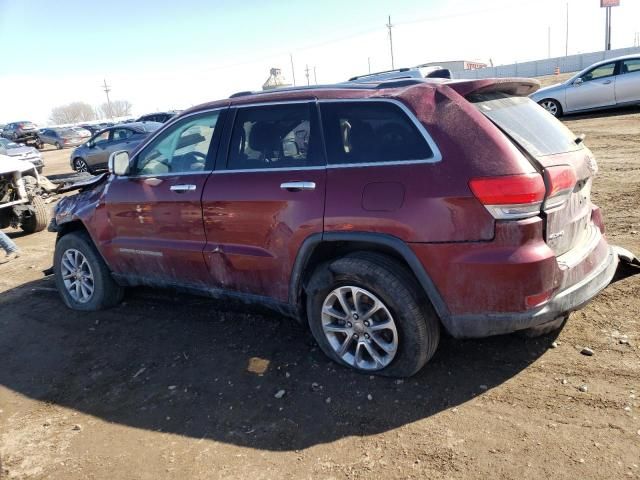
<point x="528" y="124"/>
<point x="371" y="132"/>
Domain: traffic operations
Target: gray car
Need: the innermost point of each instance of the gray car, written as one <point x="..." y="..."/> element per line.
<point x="610" y="83"/>
<point x="94" y="154"/>
<point x="59" y="137"/>
<point x="21" y="152"/>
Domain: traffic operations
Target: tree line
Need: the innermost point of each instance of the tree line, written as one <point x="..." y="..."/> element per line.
<point x="76" y="112"/>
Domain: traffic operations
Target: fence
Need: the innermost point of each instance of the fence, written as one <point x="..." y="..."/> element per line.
<point x="537" y="68"/>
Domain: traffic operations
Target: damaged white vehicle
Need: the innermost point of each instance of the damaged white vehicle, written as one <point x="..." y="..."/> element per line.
<point x="21" y="190"/>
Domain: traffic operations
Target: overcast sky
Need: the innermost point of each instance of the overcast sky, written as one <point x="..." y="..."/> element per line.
<point x="163" y="56"/>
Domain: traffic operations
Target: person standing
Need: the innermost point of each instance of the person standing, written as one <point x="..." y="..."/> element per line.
<point x="11" y="249"/>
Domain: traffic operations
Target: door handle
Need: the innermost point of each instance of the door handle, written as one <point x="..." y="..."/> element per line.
<point x="298" y="186"/>
<point x="182" y="188"/>
<point x="606" y="82"/>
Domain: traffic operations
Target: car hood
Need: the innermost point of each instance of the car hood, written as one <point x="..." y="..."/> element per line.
<point x="547" y="90"/>
<point x="20" y="151"/>
<point x="10" y="165"/>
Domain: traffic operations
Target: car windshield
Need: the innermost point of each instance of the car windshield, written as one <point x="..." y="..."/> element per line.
<point x="533" y="128"/>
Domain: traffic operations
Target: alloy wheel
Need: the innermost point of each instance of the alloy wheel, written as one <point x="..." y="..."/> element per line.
<point x="359" y="328"/>
<point x="80" y="165"/>
<point x="77" y="275"/>
<point x="550" y="106"/>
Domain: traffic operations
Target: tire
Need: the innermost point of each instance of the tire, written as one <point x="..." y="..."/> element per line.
<point x="58" y="146"/>
<point x="105" y="291"/>
<point x="80" y="165"/>
<point x="552" y="106"/>
<point x="417" y="327"/>
<point x="39" y="144"/>
<point x="39" y="218"/>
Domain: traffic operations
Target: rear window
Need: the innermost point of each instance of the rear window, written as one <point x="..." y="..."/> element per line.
<point x="532" y="127"/>
<point x="371" y="132"/>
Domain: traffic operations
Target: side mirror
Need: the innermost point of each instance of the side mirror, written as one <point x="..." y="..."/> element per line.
<point x="119" y="163"/>
<point x="578" y="81"/>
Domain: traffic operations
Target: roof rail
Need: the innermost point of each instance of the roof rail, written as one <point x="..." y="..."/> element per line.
<point x="399" y="70"/>
<point x="374" y="85"/>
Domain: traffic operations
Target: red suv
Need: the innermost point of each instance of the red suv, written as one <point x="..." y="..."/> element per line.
<point x="375" y="213"/>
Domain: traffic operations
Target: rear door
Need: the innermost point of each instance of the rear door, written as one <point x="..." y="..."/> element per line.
<point x="155" y="212"/>
<point x="597" y="88"/>
<point x="628" y="81"/>
<point x="265" y="198"/>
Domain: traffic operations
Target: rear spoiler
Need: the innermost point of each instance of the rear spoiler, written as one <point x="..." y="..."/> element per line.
<point x="519" y="87"/>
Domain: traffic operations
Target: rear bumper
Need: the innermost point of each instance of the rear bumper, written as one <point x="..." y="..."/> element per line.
<point x="568" y="300"/>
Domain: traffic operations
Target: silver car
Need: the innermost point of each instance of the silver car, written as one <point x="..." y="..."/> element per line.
<point x="21" y="152"/>
<point x="94" y="154"/>
<point x="610" y="83"/>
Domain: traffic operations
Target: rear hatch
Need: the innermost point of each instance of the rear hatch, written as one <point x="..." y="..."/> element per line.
<point x="566" y="165"/>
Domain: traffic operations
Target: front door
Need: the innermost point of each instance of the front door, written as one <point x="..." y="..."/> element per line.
<point x="597" y="89"/>
<point x="265" y="199"/>
<point x="98" y="149"/>
<point x="155" y="212"/>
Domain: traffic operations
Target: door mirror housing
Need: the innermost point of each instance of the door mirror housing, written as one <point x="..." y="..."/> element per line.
<point x="119" y="163"/>
<point x="578" y="81"/>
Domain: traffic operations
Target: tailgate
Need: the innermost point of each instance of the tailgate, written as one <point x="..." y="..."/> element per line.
<point x="566" y="164"/>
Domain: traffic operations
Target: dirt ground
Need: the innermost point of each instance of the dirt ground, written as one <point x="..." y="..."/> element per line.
<point x="183" y="387"/>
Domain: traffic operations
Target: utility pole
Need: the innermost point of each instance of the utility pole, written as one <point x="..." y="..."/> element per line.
<point x="306" y="72"/>
<point x="369" y="63"/>
<point x="607" y="32"/>
<point x="315" y="77"/>
<point x="566" y="40"/>
<point x="390" y="26"/>
<point x="293" y="70"/>
<point x="107" y="89"/>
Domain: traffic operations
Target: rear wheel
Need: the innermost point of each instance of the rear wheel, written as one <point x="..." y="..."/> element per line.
<point x="38" y="217"/>
<point x="552" y="106"/>
<point x="83" y="279"/>
<point x="58" y="146"/>
<point x="366" y="313"/>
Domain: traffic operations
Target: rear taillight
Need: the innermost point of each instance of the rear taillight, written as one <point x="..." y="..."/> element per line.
<point x="510" y="197"/>
<point x="560" y="182"/>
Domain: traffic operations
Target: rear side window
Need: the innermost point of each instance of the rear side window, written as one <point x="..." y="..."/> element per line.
<point x="528" y="124"/>
<point x="371" y="132"/>
<point x="277" y="136"/>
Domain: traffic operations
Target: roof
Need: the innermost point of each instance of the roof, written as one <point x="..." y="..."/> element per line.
<point x="383" y="89"/>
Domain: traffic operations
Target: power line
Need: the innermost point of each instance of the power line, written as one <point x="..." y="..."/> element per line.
<point x="390" y="26"/>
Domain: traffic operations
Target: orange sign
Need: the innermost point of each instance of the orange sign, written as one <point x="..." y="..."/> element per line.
<point x="609" y="3"/>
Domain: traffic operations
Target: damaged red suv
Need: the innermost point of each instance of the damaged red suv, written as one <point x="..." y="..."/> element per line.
<point x="376" y="214"/>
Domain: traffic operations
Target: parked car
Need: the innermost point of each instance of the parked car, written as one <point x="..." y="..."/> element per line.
<point x="420" y="71"/>
<point x="160" y="117"/>
<point x="81" y="131"/>
<point x="366" y="211"/>
<point x="59" y="137"/>
<point x="614" y="82"/>
<point x="21" y="204"/>
<point x="21" y="152"/>
<point x="94" y="154"/>
<point x="20" y="131"/>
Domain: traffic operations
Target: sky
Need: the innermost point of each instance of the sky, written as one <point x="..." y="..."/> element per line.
<point x="172" y="55"/>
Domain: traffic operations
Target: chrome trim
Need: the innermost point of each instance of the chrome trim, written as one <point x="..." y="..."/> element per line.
<point x="266" y="170"/>
<point x="437" y="155"/>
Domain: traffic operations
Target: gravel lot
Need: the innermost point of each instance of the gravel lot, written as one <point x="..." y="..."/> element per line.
<point x="183" y="387"/>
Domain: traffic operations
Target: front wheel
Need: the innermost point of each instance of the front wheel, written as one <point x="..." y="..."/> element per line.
<point x="80" y="165"/>
<point x="366" y="313"/>
<point x="552" y="106"/>
<point x="58" y="146"/>
<point x="82" y="278"/>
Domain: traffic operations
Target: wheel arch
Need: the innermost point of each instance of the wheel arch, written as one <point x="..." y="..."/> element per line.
<point x="319" y="248"/>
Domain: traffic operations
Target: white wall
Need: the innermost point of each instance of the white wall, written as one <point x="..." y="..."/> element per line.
<point x="537" y="68"/>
